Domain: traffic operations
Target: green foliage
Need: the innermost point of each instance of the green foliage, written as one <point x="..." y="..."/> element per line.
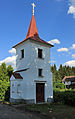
<point x="9" y="70"/>
<point x="61" y="95"/>
<point x="7" y="94"/>
<point x="59" y="85"/>
<point x="3" y="88"/>
<point x="53" y="69"/>
<point x="4" y="80"/>
<point x="62" y="71"/>
<point x="65" y="97"/>
<point x="72" y="86"/>
<point x="59" y="74"/>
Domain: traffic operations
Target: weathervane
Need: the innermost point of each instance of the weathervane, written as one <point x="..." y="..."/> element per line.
<point x="33" y="7"/>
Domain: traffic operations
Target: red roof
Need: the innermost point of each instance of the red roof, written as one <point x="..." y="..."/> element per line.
<point x="33" y="33"/>
<point x="67" y="78"/>
<point x="17" y="75"/>
<point x="32" y="28"/>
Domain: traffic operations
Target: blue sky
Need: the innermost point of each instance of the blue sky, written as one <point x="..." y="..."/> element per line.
<point x="55" y="21"/>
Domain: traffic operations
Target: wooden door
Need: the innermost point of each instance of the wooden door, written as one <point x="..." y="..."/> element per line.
<point x="40" y="92"/>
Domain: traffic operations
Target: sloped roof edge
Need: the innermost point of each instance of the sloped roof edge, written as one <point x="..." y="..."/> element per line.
<point x="32" y="38"/>
<point x="66" y="77"/>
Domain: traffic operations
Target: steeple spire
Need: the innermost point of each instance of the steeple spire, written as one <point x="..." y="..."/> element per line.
<point x="33" y="8"/>
<point x="32" y="31"/>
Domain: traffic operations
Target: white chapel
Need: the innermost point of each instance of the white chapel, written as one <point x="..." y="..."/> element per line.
<point x="32" y="80"/>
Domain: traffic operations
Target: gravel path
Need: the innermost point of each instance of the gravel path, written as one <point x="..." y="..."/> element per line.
<point x="8" y="112"/>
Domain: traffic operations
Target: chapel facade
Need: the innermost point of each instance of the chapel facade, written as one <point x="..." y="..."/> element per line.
<point x="32" y="80"/>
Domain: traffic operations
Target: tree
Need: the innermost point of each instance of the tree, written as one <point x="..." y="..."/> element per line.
<point x="5" y="73"/>
<point x="53" y="68"/>
<point x="4" y="68"/>
<point x="9" y="70"/>
<point x="59" y="74"/>
<point x="73" y="70"/>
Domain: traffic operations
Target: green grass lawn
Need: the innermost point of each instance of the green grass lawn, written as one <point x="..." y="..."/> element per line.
<point x="59" y="111"/>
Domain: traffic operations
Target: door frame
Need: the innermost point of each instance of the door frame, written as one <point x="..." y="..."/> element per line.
<point x="36" y="92"/>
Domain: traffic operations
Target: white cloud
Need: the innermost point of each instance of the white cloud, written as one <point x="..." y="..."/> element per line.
<point x="53" y="61"/>
<point x="70" y="63"/>
<point x="12" y="51"/>
<point x="73" y="55"/>
<point x="63" y="50"/>
<point x="72" y="2"/>
<point x="10" y="60"/>
<point x="71" y="10"/>
<point x="73" y="46"/>
<point x="54" y="41"/>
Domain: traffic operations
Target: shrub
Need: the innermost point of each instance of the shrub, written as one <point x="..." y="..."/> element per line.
<point x="65" y="97"/>
<point x="69" y="97"/>
<point x="7" y="94"/>
<point x="59" y="85"/>
<point x="58" y="96"/>
<point x="3" y="88"/>
<point x="72" y="86"/>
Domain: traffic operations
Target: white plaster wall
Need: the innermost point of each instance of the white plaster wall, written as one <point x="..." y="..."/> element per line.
<point x="27" y="84"/>
<point x="24" y="62"/>
<point x="31" y="61"/>
<point x="37" y="63"/>
<point x="15" y="92"/>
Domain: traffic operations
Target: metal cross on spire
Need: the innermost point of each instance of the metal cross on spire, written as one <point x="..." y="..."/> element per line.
<point x="33" y="7"/>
